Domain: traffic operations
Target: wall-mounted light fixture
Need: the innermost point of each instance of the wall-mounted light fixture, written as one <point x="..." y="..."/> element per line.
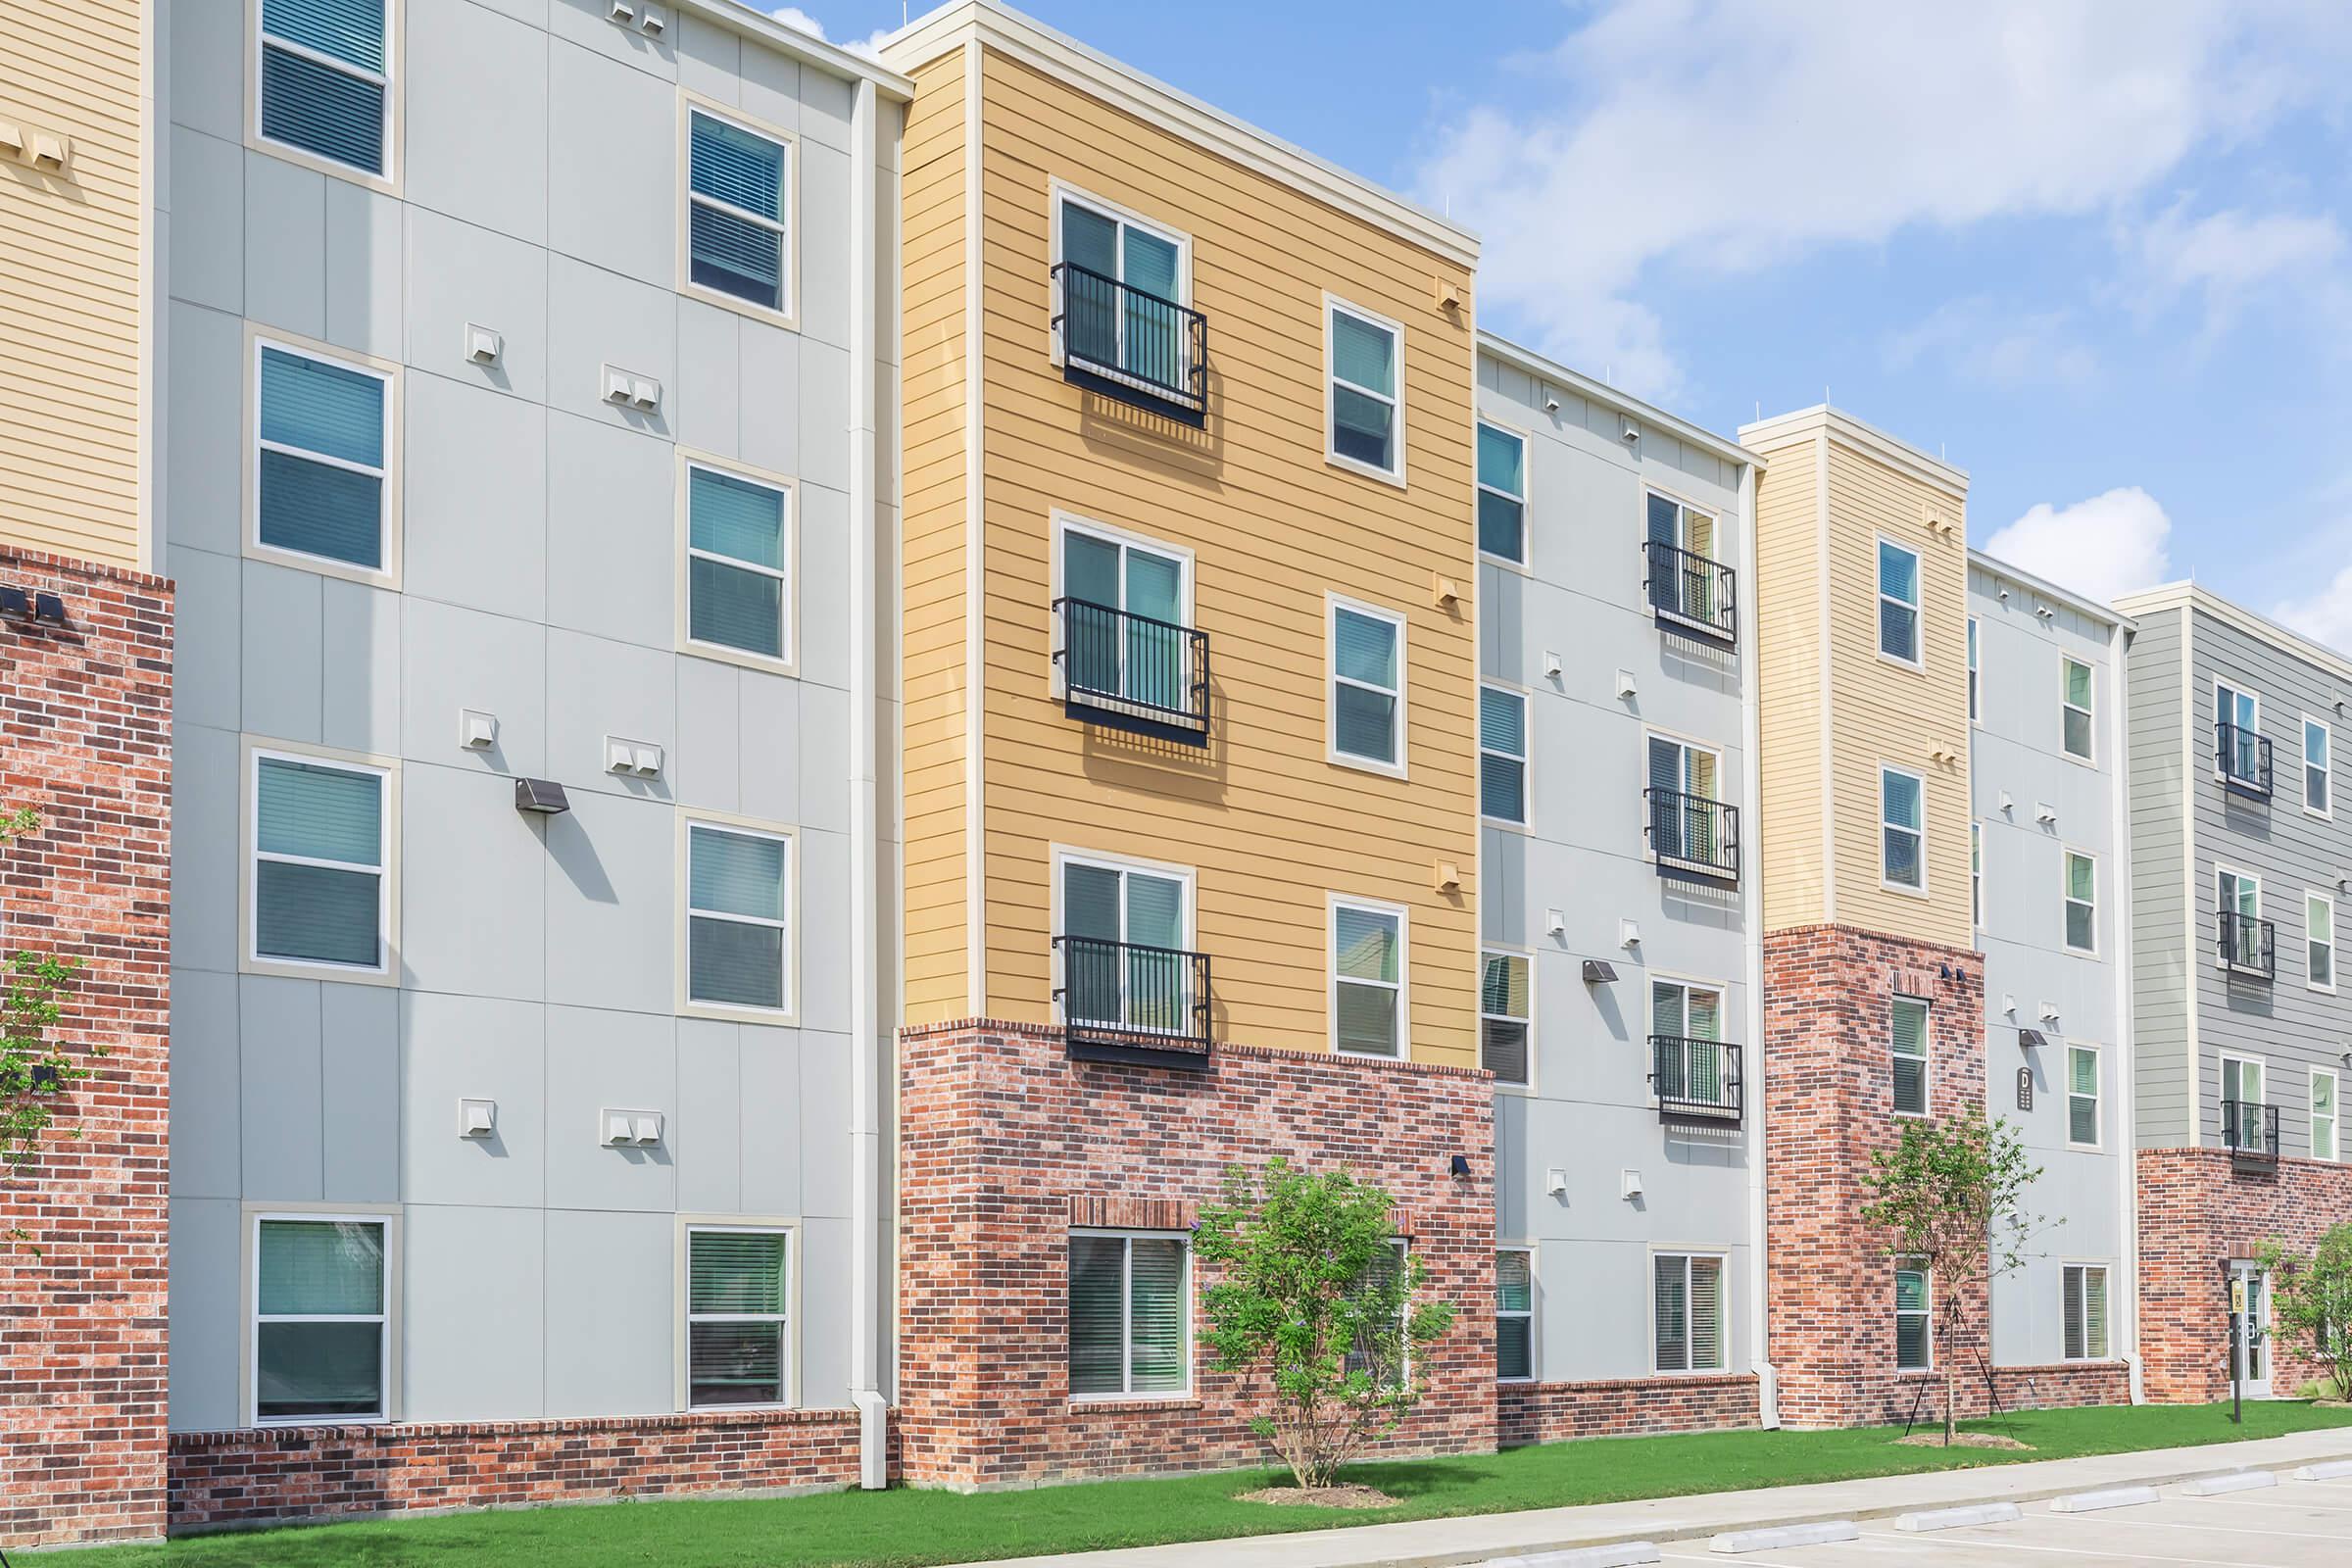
<point x="1459" y="1165"/>
<point x="1599" y="972"/>
<point x="541" y="795"/>
<point x="2030" y="1039"/>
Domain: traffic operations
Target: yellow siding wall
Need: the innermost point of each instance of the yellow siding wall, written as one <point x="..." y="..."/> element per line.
<point x="932" y="199"/>
<point x="71" y="240"/>
<point x="1790" y="659"/>
<point x="1269" y="825"/>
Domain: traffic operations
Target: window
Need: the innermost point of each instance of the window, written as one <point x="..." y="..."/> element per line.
<point x="2238" y="724"/>
<point x="738" y="194"/>
<point x="1502" y="493"/>
<point x="321" y="1337"/>
<point x="737" y="563"/>
<point x="2318" y="754"/>
<point x="1501" y="754"/>
<point x="1684" y="580"/>
<point x="1367" y="678"/>
<point x="2082" y="903"/>
<point x="1899" y="602"/>
<point x="1975" y="875"/>
<point x="321" y="471"/>
<point x="1686" y="821"/>
<point x="1130" y="1316"/>
<point x="1367" y="416"/>
<point x="1685" y="1026"/>
<point x="738" y="1340"/>
<point x="1902" y="861"/>
<point x="2319" y="941"/>
<point x="1125" y="931"/>
<point x="2075" y="702"/>
<point x="1975" y="710"/>
<point x="1124" y="627"/>
<point x="1131" y="328"/>
<point x="1367" y="968"/>
<point x="1369" y="1356"/>
<point x="1686" y="1298"/>
<point x="1503" y="1017"/>
<point x="321" y="846"/>
<point x="1514" y="1314"/>
<point x="2244" y="1121"/>
<point x="738" y="912"/>
<point x="325" y="81"/>
<point x="2085" y="1312"/>
<point x="2239" y="899"/>
<point x="1913" y="1351"/>
<point x="1910" y="1047"/>
<point x="2326" y="1142"/>
<point x="2083" y="1095"/>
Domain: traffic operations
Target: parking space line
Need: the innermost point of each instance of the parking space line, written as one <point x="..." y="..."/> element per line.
<point x="2175" y="1524"/>
<point x="1982" y="1544"/>
<point x="2275" y="1499"/>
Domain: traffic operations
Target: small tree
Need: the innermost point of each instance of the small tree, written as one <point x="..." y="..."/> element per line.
<point x="1951" y="1193"/>
<point x="1315" y="1291"/>
<point x="2310" y="1297"/>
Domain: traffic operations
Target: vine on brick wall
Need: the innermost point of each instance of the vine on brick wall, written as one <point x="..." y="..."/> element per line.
<point x="34" y="1071"/>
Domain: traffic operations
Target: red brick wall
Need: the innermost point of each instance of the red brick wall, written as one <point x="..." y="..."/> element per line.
<point x="1830" y="1094"/>
<point x="221" y="1478"/>
<point x="1006" y="1144"/>
<point x="85" y="739"/>
<point x="1548" y="1412"/>
<point x="2194" y="1211"/>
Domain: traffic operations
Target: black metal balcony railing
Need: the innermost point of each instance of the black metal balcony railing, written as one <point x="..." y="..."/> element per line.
<point x="1133" y="672"/>
<point x="2242" y="759"/>
<point x="1695" y="1080"/>
<point x="1691" y="835"/>
<point x="2248" y="946"/>
<point x="1127" y="1002"/>
<point x="1120" y="341"/>
<point x="1692" y="591"/>
<point x="2250" y="1131"/>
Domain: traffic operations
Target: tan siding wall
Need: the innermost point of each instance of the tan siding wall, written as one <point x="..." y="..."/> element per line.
<point x="933" y="655"/>
<point x="69" y="288"/>
<point x="1789" y="655"/>
<point x="1269" y="825"/>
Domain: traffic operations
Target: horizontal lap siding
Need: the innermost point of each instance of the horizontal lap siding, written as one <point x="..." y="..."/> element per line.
<point x="2159" y="884"/>
<point x="1269" y="825"/>
<point x="1788" y="612"/>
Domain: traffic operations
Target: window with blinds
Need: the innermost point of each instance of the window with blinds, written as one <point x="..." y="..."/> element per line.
<point x="1384" y="1359"/>
<point x="2326" y="1137"/>
<point x="320" y="1319"/>
<point x="1913" y="1344"/>
<point x="1366" y="398"/>
<point x="1514" y="1314"/>
<point x="1367" y="968"/>
<point x="738" y="563"/>
<point x="1685" y="1026"/>
<point x="2319" y="751"/>
<point x="1125" y="628"/>
<point x="2085" y="1312"/>
<point x="1501" y="754"/>
<point x="320" y="861"/>
<point x="1129" y="327"/>
<point x="2083" y="1095"/>
<point x="738" y="1316"/>
<point x="739" y="188"/>
<point x="1688" y="1311"/>
<point x="1502" y="493"/>
<point x="1130" y="1316"/>
<point x="1503" y="1017"/>
<point x="738" y="909"/>
<point x="1902" y="836"/>
<point x="1899" y="602"/>
<point x="1909" y="1015"/>
<point x="1368" y="696"/>
<point x="321" y="427"/>
<point x="1126" y="963"/>
<point x="2075" y="708"/>
<point x="2082" y="903"/>
<point x="326" y="81"/>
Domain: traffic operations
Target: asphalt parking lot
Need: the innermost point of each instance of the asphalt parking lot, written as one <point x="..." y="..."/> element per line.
<point x="2297" y="1524"/>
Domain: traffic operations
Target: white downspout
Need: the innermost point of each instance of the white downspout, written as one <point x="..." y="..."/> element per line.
<point x="2126" y="1068"/>
<point x="866" y="1138"/>
<point x="1752" y="899"/>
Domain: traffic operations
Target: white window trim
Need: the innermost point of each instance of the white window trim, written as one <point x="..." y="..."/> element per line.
<point x="1926" y="1313"/>
<point x="690" y="104"/>
<point x="1184" y="1246"/>
<point x="388" y="524"/>
<point x="2086" y="1268"/>
<point x="1499" y="949"/>
<point x="249" y="1342"/>
<point x="683" y="910"/>
<point x="1188" y="939"/>
<point x="2244" y="1059"/>
<point x="2091" y="713"/>
<point x="1525" y="758"/>
<point x="1532" y="1314"/>
<point x="1918" y="607"/>
<point x="2067" y="855"/>
<point x="1059" y="191"/>
<point x="1976" y="673"/>
<point x="2098" y="1098"/>
<point x="683" y="1318"/>
<point x="1525" y="565"/>
<point x="1333" y="603"/>
<point x="1065" y="523"/>
<point x="685" y="642"/>
<point x="395" y="124"/>
<point x="1975" y="875"/>
<point x="1402" y="984"/>
<point x="1688" y="744"/>
<point x="1723" y="1302"/>
<point x="1686" y="983"/>
<point x="2312" y="895"/>
<point x="1331" y="375"/>
<point x="1884" y="882"/>
<point x="1926" y="1058"/>
<point x="2221" y="685"/>
<point x="2328" y="730"/>
<point x="386" y="971"/>
<point x="2220" y="870"/>
<point x="2336" y="1118"/>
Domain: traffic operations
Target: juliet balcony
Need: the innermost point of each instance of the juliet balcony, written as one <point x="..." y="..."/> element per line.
<point x="1693" y="836"/>
<point x="1126" y="1002"/>
<point x="1691" y="594"/>
<point x="1696" y="1081"/>
<point x="2250" y="1131"/>
<point x="2241" y="761"/>
<point x="1136" y="347"/>
<point x="2248" y="946"/>
<point x="1131" y="671"/>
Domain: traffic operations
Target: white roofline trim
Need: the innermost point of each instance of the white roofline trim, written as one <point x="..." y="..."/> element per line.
<point x="1583" y="386"/>
<point x="2195" y="596"/>
<point x="1032" y="43"/>
<point x="805" y="47"/>
<point x="2081" y="604"/>
<point x="1794" y="425"/>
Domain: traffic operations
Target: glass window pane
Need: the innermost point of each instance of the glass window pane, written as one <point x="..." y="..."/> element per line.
<point x="735" y="256"/>
<point x="736" y="1271"/>
<point x="1367" y="944"/>
<point x="320" y="1268"/>
<point x="1367" y="1019"/>
<point x="1090" y="902"/>
<point x="1898" y="574"/>
<point x="2078" y="684"/>
<point x="321" y="407"/>
<point x="1155" y="909"/>
<point x="1090" y="569"/>
<point x="349" y="30"/>
<point x="1514" y="1288"/>
<point x="320" y="812"/>
<point x="1502" y="1050"/>
<point x="737" y="517"/>
<point x="1502" y="985"/>
<point x="735" y="965"/>
<point x="1360" y="427"/>
<point x="1502" y="460"/>
<point x="736" y="873"/>
<point x="319" y="1370"/>
<point x="317" y="914"/>
<point x="1502" y="787"/>
<point x="733" y="607"/>
<point x="321" y="110"/>
<point x="1501" y="526"/>
<point x="1363" y="354"/>
<point x="735" y="1363"/>
<point x="1157" y="1315"/>
<point x="317" y="509"/>
<point x="1365" y="723"/>
<point x="1089" y="240"/>
<point x="1901" y="791"/>
<point x="1502" y="721"/>
<point x="1671" y="1319"/>
<point x="1707" y="1348"/>
<point x="736" y="166"/>
<point x="1098" y="1308"/>
<point x="1514" y="1348"/>
<point x="1364" y="648"/>
<point x="1152" y="265"/>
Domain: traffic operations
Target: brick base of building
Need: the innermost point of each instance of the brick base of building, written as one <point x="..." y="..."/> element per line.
<point x="222" y="1479"/>
<point x="1553" y="1412"/>
<point x="1006" y="1144"/>
<point x="2196" y="1212"/>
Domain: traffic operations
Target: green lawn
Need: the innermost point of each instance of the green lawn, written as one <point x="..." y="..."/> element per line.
<point x="916" y="1528"/>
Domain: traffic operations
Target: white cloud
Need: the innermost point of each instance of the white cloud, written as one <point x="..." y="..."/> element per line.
<point x="794" y="17"/>
<point x="1735" y="133"/>
<point x="1983" y="343"/>
<point x="2222" y="257"/>
<point x="2325" y="615"/>
<point x="2104" y="547"/>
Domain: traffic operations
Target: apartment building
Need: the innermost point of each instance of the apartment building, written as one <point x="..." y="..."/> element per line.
<point x="2238" y="864"/>
<point x="1619" y="904"/>
<point x="2050" y="903"/>
<point x="528" y="490"/>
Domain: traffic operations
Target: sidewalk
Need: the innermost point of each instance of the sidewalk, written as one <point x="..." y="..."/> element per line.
<point x="1440" y="1543"/>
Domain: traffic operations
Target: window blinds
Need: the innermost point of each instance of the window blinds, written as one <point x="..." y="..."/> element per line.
<point x="322" y="78"/>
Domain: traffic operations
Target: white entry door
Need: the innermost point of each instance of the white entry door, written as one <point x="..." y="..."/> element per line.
<point x="2250" y="1357"/>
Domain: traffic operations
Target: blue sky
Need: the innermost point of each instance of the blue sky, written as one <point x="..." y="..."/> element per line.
<point x="2092" y="252"/>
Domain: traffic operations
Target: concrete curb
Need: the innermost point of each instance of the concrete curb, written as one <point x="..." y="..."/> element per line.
<point x="1976" y="1513"/>
<point x="2336" y="1470"/>
<point x="2093" y="1501"/>
<point x="1626" y="1554"/>
<point x="2229" y="1481"/>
